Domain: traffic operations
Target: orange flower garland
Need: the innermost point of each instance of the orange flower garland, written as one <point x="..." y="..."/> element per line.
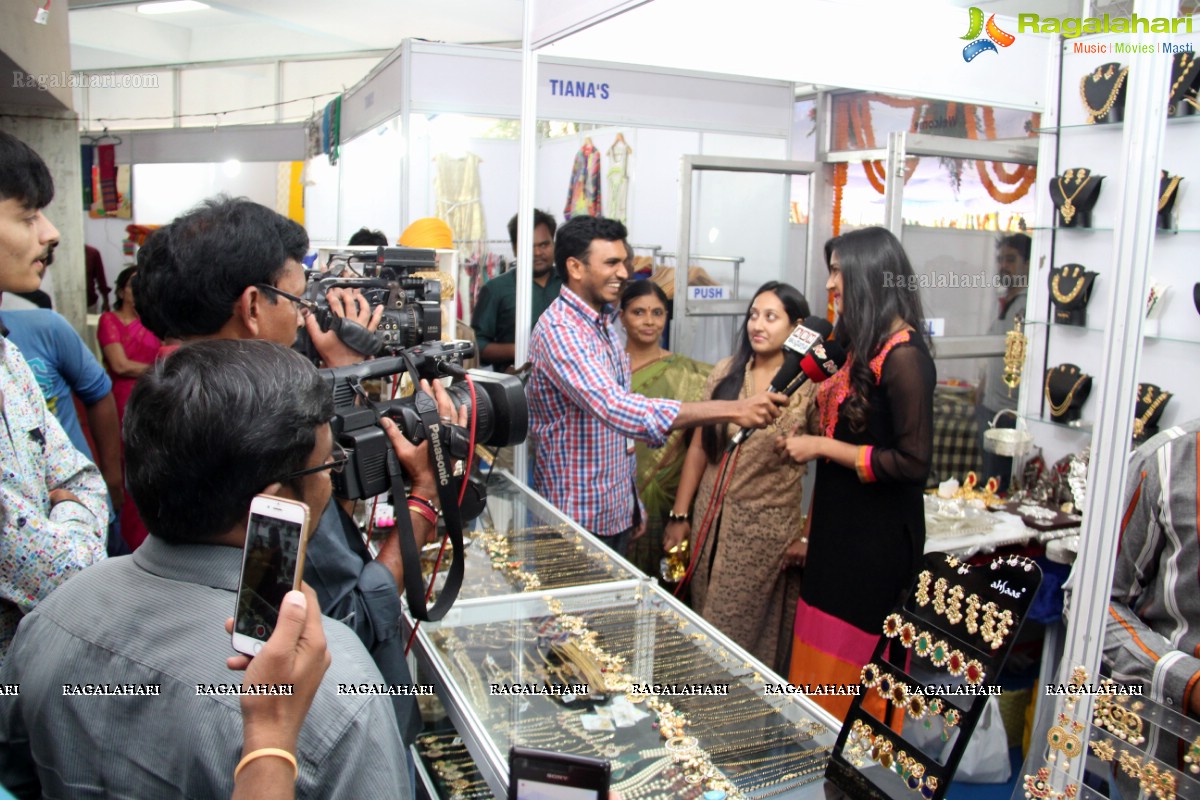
<point x="1023" y="176"/>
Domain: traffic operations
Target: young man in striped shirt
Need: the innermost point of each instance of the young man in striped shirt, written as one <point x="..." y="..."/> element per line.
<point x="584" y="417"/>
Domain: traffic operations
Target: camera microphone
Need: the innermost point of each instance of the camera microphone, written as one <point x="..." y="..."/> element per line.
<point x="798" y="362"/>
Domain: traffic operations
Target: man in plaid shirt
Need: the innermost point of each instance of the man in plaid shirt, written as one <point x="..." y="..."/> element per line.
<point x="584" y="417"/>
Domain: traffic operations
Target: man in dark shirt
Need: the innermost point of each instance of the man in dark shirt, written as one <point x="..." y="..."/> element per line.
<point x="229" y="269"/>
<point x="495" y="317"/>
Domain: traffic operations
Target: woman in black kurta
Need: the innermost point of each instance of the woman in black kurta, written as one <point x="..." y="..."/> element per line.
<point x="873" y="447"/>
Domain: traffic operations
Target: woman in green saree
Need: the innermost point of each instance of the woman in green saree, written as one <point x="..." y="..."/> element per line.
<point x="656" y="373"/>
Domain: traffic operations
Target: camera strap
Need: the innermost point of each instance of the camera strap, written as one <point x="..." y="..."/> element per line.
<point x="440" y="458"/>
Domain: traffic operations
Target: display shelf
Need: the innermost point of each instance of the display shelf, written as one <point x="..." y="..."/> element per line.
<point x="1080" y="425"/>
<point x="1187" y="119"/>
<point x="526" y="656"/>
<point x="1156" y="337"/>
<point x="1158" y="231"/>
<point x="494" y="663"/>
<point x="521" y="544"/>
<point x="444" y="767"/>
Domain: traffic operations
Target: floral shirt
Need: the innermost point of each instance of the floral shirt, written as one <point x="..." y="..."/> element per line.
<point x="40" y="547"/>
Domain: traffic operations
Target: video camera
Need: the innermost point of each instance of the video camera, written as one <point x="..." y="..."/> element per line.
<point x="411" y="305"/>
<point x="499" y="409"/>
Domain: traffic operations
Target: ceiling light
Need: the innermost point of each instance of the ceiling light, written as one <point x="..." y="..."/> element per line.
<point x="171" y="7"/>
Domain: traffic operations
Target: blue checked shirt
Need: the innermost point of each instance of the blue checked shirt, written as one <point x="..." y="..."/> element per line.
<point x="583" y="416"/>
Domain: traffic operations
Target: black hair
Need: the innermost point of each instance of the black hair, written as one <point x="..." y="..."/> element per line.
<point x="730" y="387"/>
<point x="123" y="279"/>
<point x="193" y="270"/>
<point x="24" y="177"/>
<point x="639" y="288"/>
<point x="575" y="238"/>
<point x="1019" y="242"/>
<point x="878" y="286"/>
<point x="214" y="424"/>
<point x="539" y="218"/>
<point x="365" y="236"/>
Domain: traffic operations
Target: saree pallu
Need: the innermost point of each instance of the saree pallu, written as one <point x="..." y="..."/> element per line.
<point x="658" y="471"/>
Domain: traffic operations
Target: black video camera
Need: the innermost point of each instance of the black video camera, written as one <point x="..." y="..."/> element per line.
<point x="499" y="409"/>
<point x="411" y="305"/>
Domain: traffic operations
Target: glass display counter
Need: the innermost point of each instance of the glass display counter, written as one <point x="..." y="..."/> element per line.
<point x="522" y="544"/>
<point x="615" y="669"/>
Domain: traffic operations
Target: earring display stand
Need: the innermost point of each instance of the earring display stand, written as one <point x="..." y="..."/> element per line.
<point x="961" y="619"/>
<point x="1141" y="745"/>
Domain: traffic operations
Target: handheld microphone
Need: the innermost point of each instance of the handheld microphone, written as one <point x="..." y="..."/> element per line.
<point x="822" y="360"/>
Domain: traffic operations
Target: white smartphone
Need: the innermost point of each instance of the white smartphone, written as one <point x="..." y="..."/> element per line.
<point x="272" y="565"/>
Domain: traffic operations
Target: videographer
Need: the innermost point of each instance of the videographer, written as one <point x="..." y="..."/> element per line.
<point x="207" y="429"/>
<point x="230" y="269"/>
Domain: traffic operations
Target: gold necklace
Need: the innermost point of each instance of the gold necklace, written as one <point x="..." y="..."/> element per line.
<point x="1139" y="424"/>
<point x="1096" y="113"/>
<point x="1166" y="196"/>
<point x="1183" y="71"/>
<point x="1057" y="410"/>
<point x="1059" y="297"/>
<point x="1067" y="209"/>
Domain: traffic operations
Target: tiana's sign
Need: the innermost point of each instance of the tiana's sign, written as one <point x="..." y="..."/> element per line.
<point x="1070" y="27"/>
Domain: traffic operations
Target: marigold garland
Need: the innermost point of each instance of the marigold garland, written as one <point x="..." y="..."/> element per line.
<point x="1023" y="176"/>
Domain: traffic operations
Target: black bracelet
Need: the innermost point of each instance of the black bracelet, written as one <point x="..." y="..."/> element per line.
<point x="673" y="517"/>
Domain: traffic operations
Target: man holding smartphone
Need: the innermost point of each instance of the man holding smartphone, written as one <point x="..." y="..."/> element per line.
<point x="53" y="501"/>
<point x="229" y="269"/>
<point x="206" y="430"/>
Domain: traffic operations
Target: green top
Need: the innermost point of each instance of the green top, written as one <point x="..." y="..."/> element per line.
<point x="495" y="317"/>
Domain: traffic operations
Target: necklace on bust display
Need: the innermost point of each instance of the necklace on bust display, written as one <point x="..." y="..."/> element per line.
<point x="1059" y="296"/>
<point x="1058" y="409"/>
<point x="1067" y="209"/>
<point x="1094" y="114"/>
<point x="1139" y="424"/>
<point x="1170" y="190"/>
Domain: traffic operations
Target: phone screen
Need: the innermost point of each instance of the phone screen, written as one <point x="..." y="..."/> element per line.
<point x="269" y="571"/>
<point x="539" y="790"/>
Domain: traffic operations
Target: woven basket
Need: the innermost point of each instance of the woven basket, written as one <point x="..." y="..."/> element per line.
<point x="1008" y="442"/>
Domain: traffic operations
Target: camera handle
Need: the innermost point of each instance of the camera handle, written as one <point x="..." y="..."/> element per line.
<point x="355" y="336"/>
<point x="440" y="459"/>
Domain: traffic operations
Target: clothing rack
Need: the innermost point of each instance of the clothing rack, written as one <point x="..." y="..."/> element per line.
<point x="655" y="249"/>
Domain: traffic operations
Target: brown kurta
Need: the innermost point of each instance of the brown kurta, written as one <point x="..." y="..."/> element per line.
<point x="741" y="589"/>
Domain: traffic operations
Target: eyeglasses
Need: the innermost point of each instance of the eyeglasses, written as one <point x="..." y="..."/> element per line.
<point x="336" y="463"/>
<point x="303" y="307"/>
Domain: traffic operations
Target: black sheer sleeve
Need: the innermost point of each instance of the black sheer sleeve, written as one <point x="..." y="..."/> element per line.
<point x="908" y="379"/>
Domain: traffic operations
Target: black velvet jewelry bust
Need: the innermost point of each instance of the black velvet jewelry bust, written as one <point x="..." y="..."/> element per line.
<point x="1196" y="297"/>
<point x="1074" y="194"/>
<point x="1070" y="291"/>
<point x="1168" y="190"/>
<point x="1151" y="401"/>
<point x="1103" y="93"/>
<point x="1185" y="80"/>
<point x="1067" y="389"/>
